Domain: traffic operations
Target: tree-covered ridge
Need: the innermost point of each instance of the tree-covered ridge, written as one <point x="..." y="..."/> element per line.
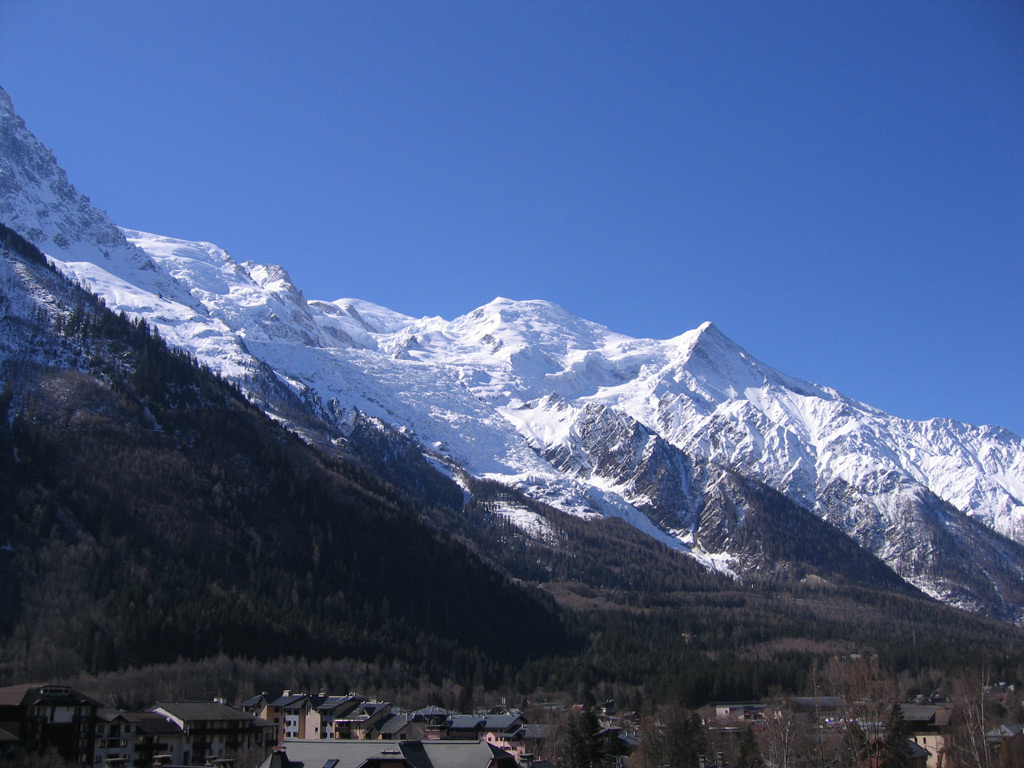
<point x="12" y="241"/>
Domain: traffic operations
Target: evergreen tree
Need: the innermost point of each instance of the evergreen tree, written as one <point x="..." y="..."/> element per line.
<point x="750" y="752"/>
<point x="685" y="740"/>
<point x="894" y="753"/>
<point x="582" y="746"/>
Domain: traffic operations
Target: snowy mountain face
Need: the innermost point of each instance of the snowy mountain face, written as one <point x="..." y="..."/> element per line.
<point x="685" y="438"/>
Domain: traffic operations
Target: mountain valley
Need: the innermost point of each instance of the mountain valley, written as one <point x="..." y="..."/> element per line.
<point x="566" y="482"/>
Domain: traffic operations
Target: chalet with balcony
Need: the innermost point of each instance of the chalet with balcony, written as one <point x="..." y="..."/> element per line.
<point x="51" y="716"/>
<point x="214" y="731"/>
<point x="115" y="739"/>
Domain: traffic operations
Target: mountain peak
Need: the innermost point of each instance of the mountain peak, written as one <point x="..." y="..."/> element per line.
<point x="710" y="336"/>
<point x="526" y="306"/>
<point x="708" y="340"/>
<point x="707" y="327"/>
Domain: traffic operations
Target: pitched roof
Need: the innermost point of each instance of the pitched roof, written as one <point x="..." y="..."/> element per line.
<point x="396" y="723"/>
<point x="155" y="724"/>
<point x="288" y="701"/>
<point x="13" y="694"/>
<point x="912" y="749"/>
<point x="31" y="694"/>
<point x="110" y="714"/>
<point x="502" y="723"/>
<point x="190" y="711"/>
<point x="465" y="722"/>
<point x="926" y="714"/>
<point x="1006" y="731"/>
<point x="348" y="702"/>
<point x="315" y="753"/>
<point x="433" y="711"/>
<point x="364" y="711"/>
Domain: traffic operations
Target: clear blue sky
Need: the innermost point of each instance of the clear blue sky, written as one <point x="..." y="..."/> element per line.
<point x="838" y="186"/>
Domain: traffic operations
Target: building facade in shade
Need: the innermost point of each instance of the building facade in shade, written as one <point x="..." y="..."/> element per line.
<point x="372" y="753"/>
<point x="158" y="740"/>
<point x="115" y="739"/>
<point x="215" y="731"/>
<point x="51" y="716"/>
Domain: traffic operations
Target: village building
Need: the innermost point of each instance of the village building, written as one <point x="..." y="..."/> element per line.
<point x="115" y="739"/>
<point x="823" y="709"/>
<point x="332" y="709"/>
<point x="914" y="756"/>
<point x="214" y="731"/>
<point x="362" y="723"/>
<point x="159" y="740"/>
<point x="740" y="711"/>
<point x="289" y="712"/>
<point x="929" y="726"/>
<point x="404" y="726"/>
<point x="50" y="716"/>
<point x="8" y="743"/>
<point x="367" y="753"/>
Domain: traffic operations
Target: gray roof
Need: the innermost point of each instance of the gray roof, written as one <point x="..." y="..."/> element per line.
<point x="333" y="702"/>
<point x="465" y="722"/>
<point x="288" y="701"/>
<point x="396" y="723"/>
<point x="12" y="695"/>
<point x="629" y="740"/>
<point x="1006" y="731"/>
<point x="155" y="724"/>
<point x="433" y="711"/>
<point x="365" y="711"/>
<point x="926" y="714"/>
<point x="502" y="723"/>
<point x="316" y="753"/>
<point x="191" y="711"/>
<point x="912" y="750"/>
<point x="54" y="695"/>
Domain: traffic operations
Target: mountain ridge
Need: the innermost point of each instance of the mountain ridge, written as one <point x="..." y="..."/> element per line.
<point x="508" y="391"/>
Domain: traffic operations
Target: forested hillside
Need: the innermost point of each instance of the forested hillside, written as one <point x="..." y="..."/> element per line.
<point x="148" y="512"/>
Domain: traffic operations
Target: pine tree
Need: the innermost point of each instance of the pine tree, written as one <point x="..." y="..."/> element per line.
<point x="581" y="746"/>
<point x="685" y="739"/>
<point x="894" y="753"/>
<point x="750" y="752"/>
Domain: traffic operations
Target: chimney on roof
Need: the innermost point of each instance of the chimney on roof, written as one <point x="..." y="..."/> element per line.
<point x="286" y="692"/>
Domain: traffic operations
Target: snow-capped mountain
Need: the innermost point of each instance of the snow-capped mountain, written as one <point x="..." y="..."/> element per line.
<point x="668" y="434"/>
